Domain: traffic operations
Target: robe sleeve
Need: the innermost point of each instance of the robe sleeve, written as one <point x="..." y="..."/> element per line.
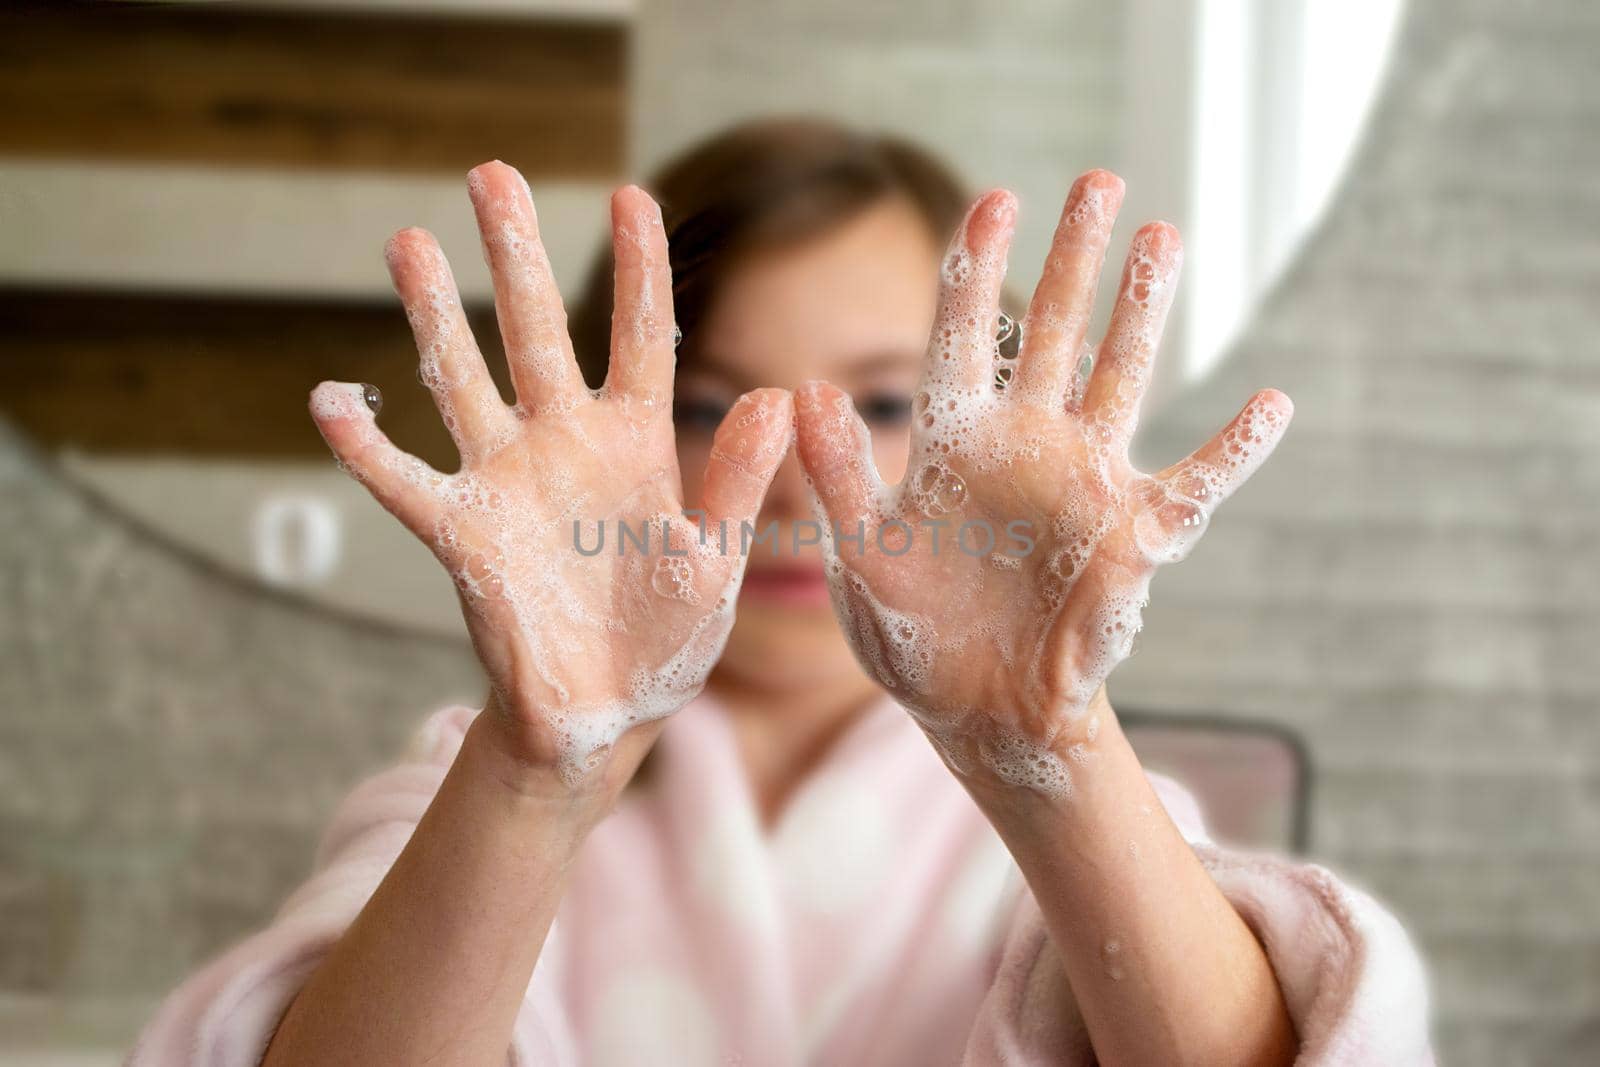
<point x="224" y="1015"/>
<point x="1353" y="983"/>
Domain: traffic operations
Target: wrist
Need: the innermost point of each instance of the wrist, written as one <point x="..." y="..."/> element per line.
<point x="497" y="755"/>
<point x="1090" y="757"/>
<point x="516" y="746"/>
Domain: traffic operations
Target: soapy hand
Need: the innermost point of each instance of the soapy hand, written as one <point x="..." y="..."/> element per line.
<point x="580" y="647"/>
<point x="1000" y="582"/>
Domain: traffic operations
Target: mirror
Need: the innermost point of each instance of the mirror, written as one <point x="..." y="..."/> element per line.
<point x="188" y="276"/>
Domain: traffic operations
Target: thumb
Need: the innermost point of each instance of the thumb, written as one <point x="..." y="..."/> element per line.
<point x="836" y="452"/>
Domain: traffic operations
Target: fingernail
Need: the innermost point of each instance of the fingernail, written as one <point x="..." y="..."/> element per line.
<point x="809" y="396"/>
<point x="994" y="216"/>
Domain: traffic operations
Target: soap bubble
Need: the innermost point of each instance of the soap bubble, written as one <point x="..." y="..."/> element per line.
<point x="1080" y="377"/>
<point x="939" y="489"/>
<point x="1007" y="336"/>
<point x="673" y="578"/>
<point x="373" y="397"/>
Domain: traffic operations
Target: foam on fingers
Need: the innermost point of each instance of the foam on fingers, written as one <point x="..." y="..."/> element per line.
<point x="1058" y="315"/>
<point x="449" y="363"/>
<point x="961" y="353"/>
<point x="1249" y="438"/>
<point x="643" y="332"/>
<point x="346" y="416"/>
<point x="1126" y="356"/>
<point x="1218" y="468"/>
<point x="533" y="321"/>
<point x="749" y="445"/>
<point x="835" y="451"/>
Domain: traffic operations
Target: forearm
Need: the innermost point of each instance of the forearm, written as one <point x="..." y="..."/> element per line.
<point x="435" y="967"/>
<point x="1162" y="967"/>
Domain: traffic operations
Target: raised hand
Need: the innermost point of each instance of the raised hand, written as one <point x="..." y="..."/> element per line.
<point x="996" y="586"/>
<point x="580" y="647"/>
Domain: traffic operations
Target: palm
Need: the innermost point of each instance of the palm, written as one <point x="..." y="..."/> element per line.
<point x="997" y="647"/>
<point x="579" y="644"/>
<point x="585" y="626"/>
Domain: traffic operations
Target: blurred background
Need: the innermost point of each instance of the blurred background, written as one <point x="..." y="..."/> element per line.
<point x="1385" y="656"/>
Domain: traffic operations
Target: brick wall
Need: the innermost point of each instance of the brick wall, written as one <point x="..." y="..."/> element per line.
<point x="172" y="741"/>
<point x="1412" y="580"/>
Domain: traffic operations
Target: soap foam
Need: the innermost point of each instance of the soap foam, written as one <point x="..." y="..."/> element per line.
<point x="1058" y="621"/>
<point x="572" y="615"/>
<point x="504" y="531"/>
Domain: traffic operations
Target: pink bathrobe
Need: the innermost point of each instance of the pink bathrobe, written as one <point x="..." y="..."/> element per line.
<point x="879" y="923"/>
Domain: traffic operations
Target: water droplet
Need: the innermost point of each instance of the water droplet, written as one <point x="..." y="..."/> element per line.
<point x="373" y="396"/>
<point x="677" y="335"/>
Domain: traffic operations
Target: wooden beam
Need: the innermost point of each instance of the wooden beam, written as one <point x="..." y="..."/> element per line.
<point x="159" y="375"/>
<point x="224" y="84"/>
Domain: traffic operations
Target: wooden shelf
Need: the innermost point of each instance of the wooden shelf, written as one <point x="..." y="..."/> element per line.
<point x="116" y="373"/>
<point x="309" y="87"/>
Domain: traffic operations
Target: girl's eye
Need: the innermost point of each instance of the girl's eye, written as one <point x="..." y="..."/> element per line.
<point x="697" y="416"/>
<point x="884" y="409"/>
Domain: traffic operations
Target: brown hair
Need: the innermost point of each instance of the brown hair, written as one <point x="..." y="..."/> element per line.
<point x="761" y="184"/>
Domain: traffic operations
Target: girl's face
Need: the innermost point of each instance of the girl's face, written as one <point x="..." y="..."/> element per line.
<point x="853" y="305"/>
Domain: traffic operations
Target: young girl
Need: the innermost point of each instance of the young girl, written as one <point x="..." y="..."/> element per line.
<point x="900" y="825"/>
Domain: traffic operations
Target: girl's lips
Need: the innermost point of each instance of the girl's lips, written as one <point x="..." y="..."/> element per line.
<point x="798" y="586"/>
